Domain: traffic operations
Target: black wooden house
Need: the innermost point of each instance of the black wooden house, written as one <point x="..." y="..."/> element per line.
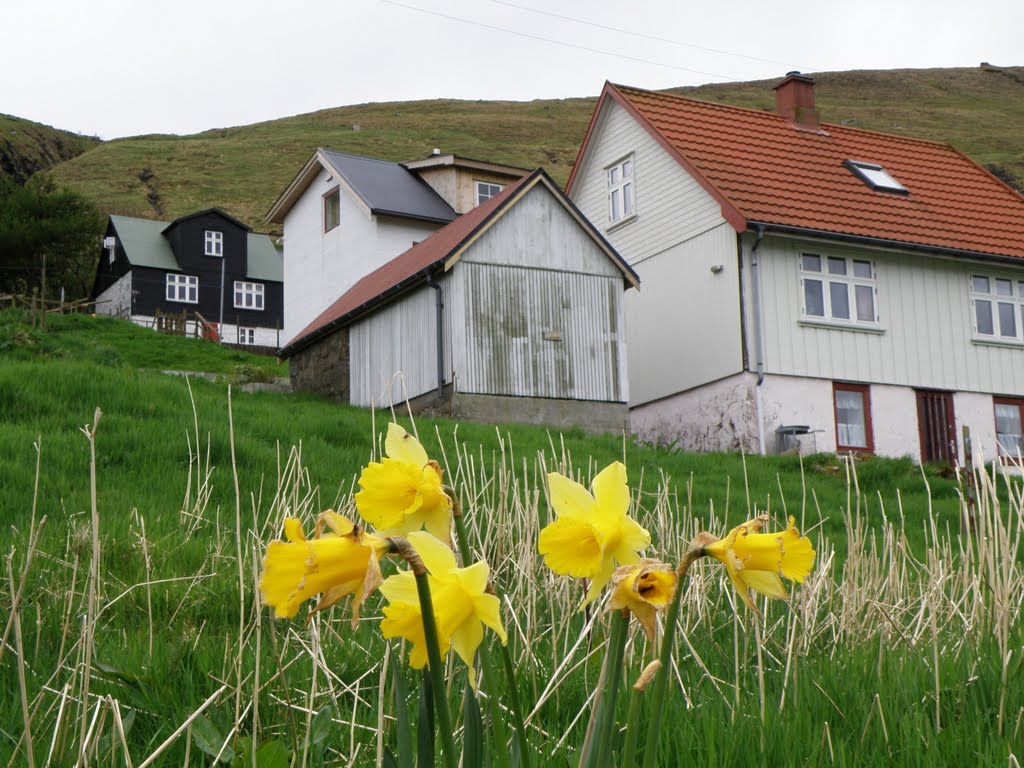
<point x="207" y="265"/>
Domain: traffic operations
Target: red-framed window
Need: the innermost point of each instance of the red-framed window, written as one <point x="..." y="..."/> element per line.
<point x="852" y="405"/>
<point x="1009" y="415"/>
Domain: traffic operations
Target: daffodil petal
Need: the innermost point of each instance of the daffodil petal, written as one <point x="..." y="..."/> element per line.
<point x="390" y="491"/>
<point x="293" y="529"/>
<point x="400" y="588"/>
<point x="599" y="581"/>
<point x="569" y="499"/>
<point x="765" y="582"/>
<point x="436" y="555"/>
<point x="488" y="610"/>
<point x="611" y="489"/>
<point x="402" y="446"/>
<point x="465" y="640"/>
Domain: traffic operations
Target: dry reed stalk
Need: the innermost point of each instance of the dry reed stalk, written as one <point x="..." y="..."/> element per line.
<point x="115" y="707"/>
<point x="94" y="585"/>
<point x="16" y="617"/>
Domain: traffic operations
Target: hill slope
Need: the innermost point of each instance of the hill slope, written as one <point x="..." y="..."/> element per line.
<point x="27" y="148"/>
<point x="978" y="110"/>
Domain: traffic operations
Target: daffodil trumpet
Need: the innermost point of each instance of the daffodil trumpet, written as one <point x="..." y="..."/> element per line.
<point x="643" y="589"/>
<point x="340" y="559"/>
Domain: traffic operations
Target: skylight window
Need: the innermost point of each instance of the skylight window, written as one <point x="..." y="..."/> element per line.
<point x="876" y="177"/>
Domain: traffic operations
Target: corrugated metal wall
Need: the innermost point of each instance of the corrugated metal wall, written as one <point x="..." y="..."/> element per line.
<point x="394" y="350"/>
<point x="542" y="333"/>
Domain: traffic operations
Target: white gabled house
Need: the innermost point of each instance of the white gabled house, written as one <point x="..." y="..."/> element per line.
<point x="345" y="215"/>
<point x="807" y="285"/>
<point x="511" y="312"/>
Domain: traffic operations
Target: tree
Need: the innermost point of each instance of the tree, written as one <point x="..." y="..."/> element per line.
<point x="47" y="233"/>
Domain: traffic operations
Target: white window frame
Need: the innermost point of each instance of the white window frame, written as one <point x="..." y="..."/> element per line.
<point x="248" y="295"/>
<point x="621" y="177"/>
<point x="213" y="243"/>
<point x="182" y="288"/>
<point x="485" y="190"/>
<point x="849" y="282"/>
<point x="997" y="303"/>
<point x="247" y="336"/>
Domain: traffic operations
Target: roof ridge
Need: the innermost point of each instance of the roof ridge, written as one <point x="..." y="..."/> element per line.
<point x="362" y="157"/>
<point x="772" y="113"/>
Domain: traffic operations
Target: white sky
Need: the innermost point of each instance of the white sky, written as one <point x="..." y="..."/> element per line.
<point x="126" y="67"/>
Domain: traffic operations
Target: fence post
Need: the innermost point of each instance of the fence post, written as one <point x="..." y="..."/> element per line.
<point x="970" y="491"/>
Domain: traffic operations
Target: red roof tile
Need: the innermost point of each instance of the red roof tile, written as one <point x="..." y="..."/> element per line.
<point x="764" y="170"/>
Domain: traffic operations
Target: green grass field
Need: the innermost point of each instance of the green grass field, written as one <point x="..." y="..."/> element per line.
<point x="901" y="648"/>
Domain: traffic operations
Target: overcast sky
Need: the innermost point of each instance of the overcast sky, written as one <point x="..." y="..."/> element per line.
<point x="126" y="67"/>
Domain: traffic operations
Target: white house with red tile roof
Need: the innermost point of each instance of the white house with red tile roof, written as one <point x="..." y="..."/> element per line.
<point x="511" y="312"/>
<point x="807" y="284"/>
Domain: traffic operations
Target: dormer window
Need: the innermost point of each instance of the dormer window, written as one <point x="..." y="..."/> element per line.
<point x="485" y="190"/>
<point x="620" y="190"/>
<point x="214" y="243"/>
<point x="876" y="177"/>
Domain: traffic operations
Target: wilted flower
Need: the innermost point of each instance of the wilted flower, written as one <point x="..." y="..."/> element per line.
<point x="461" y="603"/>
<point x="592" y="532"/>
<point x="403" y="492"/>
<point x="643" y="589"/>
<point x="757" y="560"/>
<point x="344" y="561"/>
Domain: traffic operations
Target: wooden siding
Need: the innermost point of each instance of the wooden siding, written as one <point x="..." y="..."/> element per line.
<point x="396" y="347"/>
<point x="684" y="324"/>
<point x="538" y="333"/>
<point x="670" y="205"/>
<point x="925" y="318"/>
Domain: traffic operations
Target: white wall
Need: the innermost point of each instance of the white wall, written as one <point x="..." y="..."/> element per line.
<point x="319" y="267"/>
<point x="684" y="324"/>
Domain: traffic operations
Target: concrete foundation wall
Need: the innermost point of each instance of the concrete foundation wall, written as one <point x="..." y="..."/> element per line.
<point x="323" y="368"/>
<point x="720" y="416"/>
<point x="588" y="415"/>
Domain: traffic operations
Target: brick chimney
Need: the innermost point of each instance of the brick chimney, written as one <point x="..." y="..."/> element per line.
<point x="794" y="100"/>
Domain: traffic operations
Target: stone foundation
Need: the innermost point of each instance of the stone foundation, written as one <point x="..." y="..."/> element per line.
<point x="323" y="367"/>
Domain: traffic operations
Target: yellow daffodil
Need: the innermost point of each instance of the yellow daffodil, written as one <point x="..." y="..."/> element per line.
<point x="461" y="604"/>
<point x="592" y="532"/>
<point x="343" y="561"/>
<point x="756" y="560"/>
<point x="403" y="492"/>
<point x="643" y="589"/>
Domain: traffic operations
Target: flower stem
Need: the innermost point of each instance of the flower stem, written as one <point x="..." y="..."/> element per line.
<point x="660" y="682"/>
<point x="602" y="746"/>
<point x="633" y="718"/>
<point x="486" y="659"/>
<point x="443" y="716"/>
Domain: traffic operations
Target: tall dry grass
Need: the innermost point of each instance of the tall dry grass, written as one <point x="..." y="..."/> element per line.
<point x="884" y="652"/>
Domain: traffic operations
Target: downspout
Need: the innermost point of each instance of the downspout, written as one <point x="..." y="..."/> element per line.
<point x="755" y="279"/>
<point x="439" y="308"/>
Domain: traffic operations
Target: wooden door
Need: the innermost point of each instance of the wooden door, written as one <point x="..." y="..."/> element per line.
<point x="937" y="426"/>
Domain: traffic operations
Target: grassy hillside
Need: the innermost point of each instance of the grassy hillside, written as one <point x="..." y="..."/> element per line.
<point x="244" y="169"/>
<point x="27" y="148"/>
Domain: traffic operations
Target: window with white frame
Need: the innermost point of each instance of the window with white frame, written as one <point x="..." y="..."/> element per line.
<point x="998" y="304"/>
<point x="620" y="190"/>
<point x="838" y="289"/>
<point x="853" y="417"/>
<point x="246" y="335"/>
<point x="332" y="209"/>
<point x="248" y="295"/>
<point x="485" y="190"/>
<point x="183" y="288"/>
<point x="214" y="243"/>
<point x="1009" y="412"/>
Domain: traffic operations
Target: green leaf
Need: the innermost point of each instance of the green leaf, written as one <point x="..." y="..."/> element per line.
<point x="322" y="725"/>
<point x="209" y="740"/>
<point x="404" y="727"/>
<point x="388" y="760"/>
<point x="473" y="731"/>
<point x="270" y="754"/>
<point x="425" y="725"/>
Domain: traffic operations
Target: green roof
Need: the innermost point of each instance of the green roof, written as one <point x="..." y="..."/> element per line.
<point x="143" y="243"/>
<point x="145" y="246"/>
<point x="265" y="261"/>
